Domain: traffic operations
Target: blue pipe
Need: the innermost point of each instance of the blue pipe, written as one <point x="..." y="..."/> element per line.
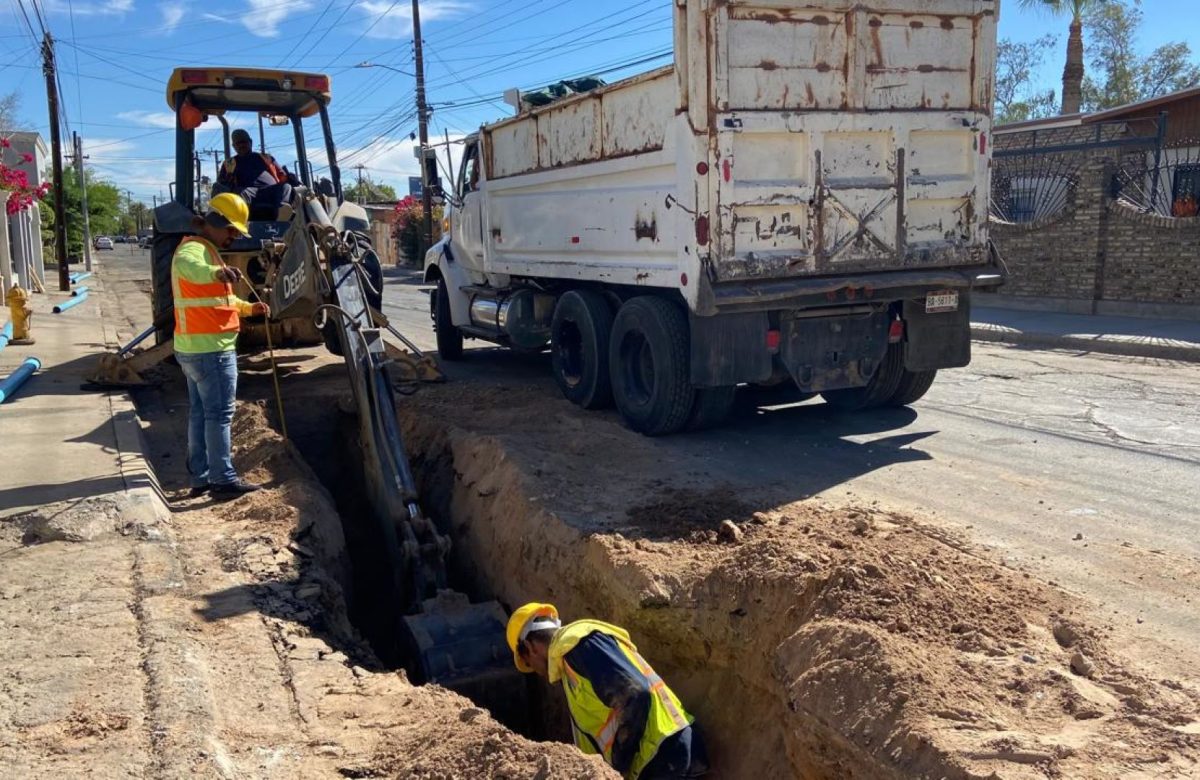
<point x="78" y="291"/>
<point x="10" y="385"/>
<point x="60" y="308"/>
<point x="79" y="276"/>
<point x="5" y="334"/>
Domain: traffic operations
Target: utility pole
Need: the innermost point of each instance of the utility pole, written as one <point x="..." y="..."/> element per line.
<point x="423" y="134"/>
<point x="137" y="218"/>
<point x="60" y="203"/>
<point x="359" y="168"/>
<point x="82" y="176"/>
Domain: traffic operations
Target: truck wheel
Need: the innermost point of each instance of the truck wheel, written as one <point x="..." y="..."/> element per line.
<point x="449" y="338"/>
<point x="711" y="407"/>
<point x="648" y="361"/>
<point x="579" y="335"/>
<point x="876" y="392"/>
<point x="913" y="385"/>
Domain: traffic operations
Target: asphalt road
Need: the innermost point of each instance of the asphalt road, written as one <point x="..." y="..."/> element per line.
<point x="1083" y="470"/>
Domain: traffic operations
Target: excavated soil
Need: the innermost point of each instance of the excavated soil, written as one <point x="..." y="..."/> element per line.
<point x="810" y="640"/>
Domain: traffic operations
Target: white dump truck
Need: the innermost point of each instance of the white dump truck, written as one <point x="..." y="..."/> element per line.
<point x="799" y="202"/>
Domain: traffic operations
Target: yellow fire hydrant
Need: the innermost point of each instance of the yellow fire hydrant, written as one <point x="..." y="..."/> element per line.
<point x="20" y="315"/>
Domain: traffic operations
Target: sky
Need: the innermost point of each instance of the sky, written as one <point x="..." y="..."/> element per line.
<point x="114" y="58"/>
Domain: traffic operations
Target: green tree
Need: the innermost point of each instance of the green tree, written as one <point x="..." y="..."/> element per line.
<point x="1016" y="97"/>
<point x="1073" y="71"/>
<point x="1122" y="75"/>
<point x="370" y="192"/>
<point x="104" y="210"/>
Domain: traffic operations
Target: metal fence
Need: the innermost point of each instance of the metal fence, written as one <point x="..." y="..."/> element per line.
<point x="1163" y="181"/>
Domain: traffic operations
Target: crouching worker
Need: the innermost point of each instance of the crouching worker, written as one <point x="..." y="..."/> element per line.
<point x="206" y="330"/>
<point x="619" y="707"/>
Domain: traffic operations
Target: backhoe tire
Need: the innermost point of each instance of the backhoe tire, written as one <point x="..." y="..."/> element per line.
<point x="913" y="385"/>
<point x="711" y="407"/>
<point x="878" y="391"/>
<point x="449" y="338"/>
<point x="648" y="360"/>
<point x="579" y="334"/>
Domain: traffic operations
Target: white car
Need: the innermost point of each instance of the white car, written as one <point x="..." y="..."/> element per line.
<point x="103" y="242"/>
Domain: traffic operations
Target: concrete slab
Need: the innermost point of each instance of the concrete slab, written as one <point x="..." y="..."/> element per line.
<point x="1133" y="336"/>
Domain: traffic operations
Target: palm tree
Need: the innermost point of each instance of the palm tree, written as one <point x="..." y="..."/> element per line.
<point x="1072" y="79"/>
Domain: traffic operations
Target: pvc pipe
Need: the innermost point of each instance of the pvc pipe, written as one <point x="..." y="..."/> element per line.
<point x="10" y="385"/>
<point x="78" y="291"/>
<point x="5" y="334"/>
<point x="60" y="308"/>
<point x="79" y="276"/>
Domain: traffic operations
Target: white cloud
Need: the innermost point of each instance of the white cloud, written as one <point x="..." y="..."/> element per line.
<point x="263" y="17"/>
<point x="163" y="119"/>
<point x="388" y="160"/>
<point x="172" y="14"/>
<point x="393" y="20"/>
<point x="86" y="8"/>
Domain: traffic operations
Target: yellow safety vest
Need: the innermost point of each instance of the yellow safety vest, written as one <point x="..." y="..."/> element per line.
<point x="594" y="724"/>
<point x="206" y="310"/>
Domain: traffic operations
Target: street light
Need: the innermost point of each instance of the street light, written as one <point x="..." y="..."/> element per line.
<point x="366" y="64"/>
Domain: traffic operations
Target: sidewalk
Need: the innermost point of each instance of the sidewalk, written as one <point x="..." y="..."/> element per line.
<point x="1133" y="336"/>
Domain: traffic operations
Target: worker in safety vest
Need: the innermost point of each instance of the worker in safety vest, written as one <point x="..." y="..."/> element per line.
<point x="253" y="175"/>
<point x="206" y="329"/>
<point x="619" y="707"/>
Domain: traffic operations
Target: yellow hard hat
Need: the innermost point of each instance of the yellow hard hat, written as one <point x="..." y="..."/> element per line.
<point x="233" y="208"/>
<point x="530" y="617"/>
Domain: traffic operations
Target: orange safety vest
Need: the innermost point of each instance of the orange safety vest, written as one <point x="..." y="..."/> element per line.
<point x="272" y="167"/>
<point x="206" y="312"/>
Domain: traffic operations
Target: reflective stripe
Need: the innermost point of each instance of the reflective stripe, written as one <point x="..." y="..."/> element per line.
<point x="608" y="732"/>
<point x="192" y="303"/>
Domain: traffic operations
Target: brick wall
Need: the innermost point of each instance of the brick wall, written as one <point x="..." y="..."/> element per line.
<point x="1103" y="253"/>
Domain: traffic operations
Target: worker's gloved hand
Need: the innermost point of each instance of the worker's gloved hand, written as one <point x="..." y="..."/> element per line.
<point x="261" y="309"/>
<point x="229" y="274"/>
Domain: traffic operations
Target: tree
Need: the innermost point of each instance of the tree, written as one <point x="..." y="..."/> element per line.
<point x="1016" y="97"/>
<point x="1123" y="76"/>
<point x="10" y="107"/>
<point x="1072" y="79"/>
<point x="370" y="192"/>
<point x="104" y="210"/>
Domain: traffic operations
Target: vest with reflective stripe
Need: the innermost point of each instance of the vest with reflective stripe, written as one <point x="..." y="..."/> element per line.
<point x="593" y="724"/>
<point x="206" y="310"/>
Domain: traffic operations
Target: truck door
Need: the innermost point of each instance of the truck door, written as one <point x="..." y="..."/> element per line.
<point x="467" y="235"/>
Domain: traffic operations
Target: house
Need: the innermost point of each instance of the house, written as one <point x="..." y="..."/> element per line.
<point x="383" y="239"/>
<point x="21" y="259"/>
<point x="1100" y="212"/>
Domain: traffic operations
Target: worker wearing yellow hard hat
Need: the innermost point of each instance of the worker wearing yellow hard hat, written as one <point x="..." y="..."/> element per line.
<point x="620" y="708"/>
<point x="207" y="321"/>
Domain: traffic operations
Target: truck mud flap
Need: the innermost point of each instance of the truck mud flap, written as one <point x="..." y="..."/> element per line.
<point x="729" y="349"/>
<point x="938" y="339"/>
<point x="832" y="353"/>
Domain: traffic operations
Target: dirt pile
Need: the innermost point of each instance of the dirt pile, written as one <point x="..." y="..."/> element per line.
<point x="810" y="640"/>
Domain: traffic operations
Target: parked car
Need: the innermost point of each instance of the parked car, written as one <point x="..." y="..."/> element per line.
<point x="118" y="239"/>
<point x="145" y="241"/>
<point x="103" y="242"/>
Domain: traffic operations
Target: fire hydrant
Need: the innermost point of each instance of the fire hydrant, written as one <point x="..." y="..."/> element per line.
<point x="20" y="315"/>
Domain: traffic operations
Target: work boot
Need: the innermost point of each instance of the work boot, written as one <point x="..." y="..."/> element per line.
<point x="198" y="491"/>
<point x="233" y="489"/>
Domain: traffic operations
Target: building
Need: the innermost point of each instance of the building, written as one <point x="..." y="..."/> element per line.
<point x="383" y="239"/>
<point x="21" y="258"/>
<point x="1100" y="212"/>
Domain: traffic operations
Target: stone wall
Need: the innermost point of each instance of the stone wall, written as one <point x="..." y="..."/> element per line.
<point x="1098" y="255"/>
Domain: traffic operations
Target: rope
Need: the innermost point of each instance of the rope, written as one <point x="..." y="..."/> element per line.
<point x="274" y="369"/>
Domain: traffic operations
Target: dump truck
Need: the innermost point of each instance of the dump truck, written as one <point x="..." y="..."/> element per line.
<point x="797" y="203"/>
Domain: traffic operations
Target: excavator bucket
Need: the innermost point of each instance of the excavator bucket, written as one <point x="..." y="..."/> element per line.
<point x="124" y="369"/>
<point x="407" y="367"/>
<point x="461" y="646"/>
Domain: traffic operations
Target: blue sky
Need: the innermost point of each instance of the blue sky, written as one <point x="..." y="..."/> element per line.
<point x="115" y="56"/>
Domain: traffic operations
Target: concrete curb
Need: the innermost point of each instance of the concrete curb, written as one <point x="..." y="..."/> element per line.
<point x="1111" y="346"/>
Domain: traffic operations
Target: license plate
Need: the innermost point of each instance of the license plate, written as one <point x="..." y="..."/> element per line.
<point x="944" y="300"/>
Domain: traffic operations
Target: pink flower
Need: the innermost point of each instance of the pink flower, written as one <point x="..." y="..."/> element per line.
<point x="27" y="157"/>
<point x="4" y="143"/>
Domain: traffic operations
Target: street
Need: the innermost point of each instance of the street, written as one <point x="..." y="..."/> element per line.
<point x="1083" y="470"/>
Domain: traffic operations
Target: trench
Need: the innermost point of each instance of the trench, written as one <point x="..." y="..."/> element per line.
<point x="327" y="438"/>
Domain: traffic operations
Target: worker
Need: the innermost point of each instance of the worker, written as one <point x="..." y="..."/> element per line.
<point x="619" y="707"/>
<point x="256" y="177"/>
<point x="206" y="329"/>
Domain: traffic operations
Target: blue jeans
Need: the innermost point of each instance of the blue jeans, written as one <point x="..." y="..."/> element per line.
<point x="212" y="386"/>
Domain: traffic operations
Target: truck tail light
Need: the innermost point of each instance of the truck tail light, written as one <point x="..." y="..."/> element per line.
<point x="772" y="341"/>
<point x="702" y="230"/>
<point x="318" y="83"/>
<point x="896" y="332"/>
<point x="194" y="76"/>
<point x="983" y="143"/>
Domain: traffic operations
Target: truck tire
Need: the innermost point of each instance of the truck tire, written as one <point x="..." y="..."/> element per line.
<point x="579" y="333"/>
<point x="874" y="393"/>
<point x="711" y="407"/>
<point x="913" y="385"/>
<point x="449" y="338"/>
<point x="648" y="362"/>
